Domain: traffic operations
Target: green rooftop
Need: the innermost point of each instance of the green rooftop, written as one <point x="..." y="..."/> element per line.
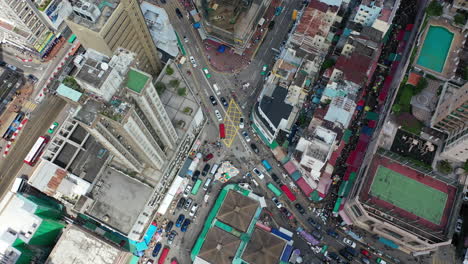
<point x="136" y="80"/>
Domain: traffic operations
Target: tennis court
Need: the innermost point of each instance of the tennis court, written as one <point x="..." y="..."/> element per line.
<point x="409" y="194"/>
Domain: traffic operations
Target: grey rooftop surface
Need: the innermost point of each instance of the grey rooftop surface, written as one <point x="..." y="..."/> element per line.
<point x="275" y="107"/>
<point x="118" y="199"/>
<point x="93" y="72"/>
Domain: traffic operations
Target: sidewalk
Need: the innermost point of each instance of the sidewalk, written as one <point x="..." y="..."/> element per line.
<point x="230" y="62"/>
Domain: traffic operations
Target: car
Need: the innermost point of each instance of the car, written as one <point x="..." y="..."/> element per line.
<point x="277" y="202"/>
<point x="208" y="157"/>
<point x="313" y="223"/>
<point x="33" y="78"/>
<point x="195" y="175"/>
<point x="365" y="260"/>
<point x="2" y="63"/>
<point x="180" y="219"/>
<point x="271" y="25"/>
<point x="334" y="256"/>
<point x="346" y="254"/>
<point x="299" y="208"/>
<point x="247" y="175"/>
<point x="333" y="233"/>
<point x="11" y="67"/>
<point x="52" y="127"/>
<point x="194" y="209"/>
<point x="150" y="261"/>
<point x="224" y="102"/>
<point x="156" y="249"/>
<point x="178" y="13"/>
<point x="187" y="190"/>
<point x="169" y="226"/>
<point x="317" y="235"/>
<point x="275" y="178"/>
<point x="349" y="242"/>
<point x="163" y="1"/>
<point x="213" y="100"/>
<point x="286" y="213"/>
<point x="241" y="123"/>
<point x="254" y="148"/>
<point x="188" y="203"/>
<point x="207" y="73"/>
<point x="246" y="136"/>
<point x="365" y="253"/>
<point x="218" y="115"/>
<point x="186" y="40"/>
<point x="258" y="173"/>
<point x="181" y="203"/>
<point x="459" y="225"/>
<point x="264" y="70"/>
<point x="192" y="60"/>
<point x="185" y="225"/>
<point x="205" y="170"/>
<point x="171" y="237"/>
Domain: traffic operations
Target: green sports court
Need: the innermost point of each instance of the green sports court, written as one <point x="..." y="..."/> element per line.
<point x="409" y="194"/>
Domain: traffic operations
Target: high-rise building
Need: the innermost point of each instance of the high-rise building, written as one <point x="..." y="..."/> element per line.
<point x="126" y="114"/>
<point x="451" y="117"/>
<point x="107" y="25"/>
<point x="32" y="25"/>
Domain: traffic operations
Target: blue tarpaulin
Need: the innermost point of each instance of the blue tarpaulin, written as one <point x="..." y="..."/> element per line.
<point x="196" y="25"/>
<point x="367" y="130"/>
<point x="221" y="48"/>
<point x="388" y="242"/>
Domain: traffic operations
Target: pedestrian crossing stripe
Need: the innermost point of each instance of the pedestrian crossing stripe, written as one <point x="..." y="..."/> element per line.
<point x="231" y="123"/>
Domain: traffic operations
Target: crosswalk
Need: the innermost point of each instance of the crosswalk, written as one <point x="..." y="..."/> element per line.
<point x="29" y="106"/>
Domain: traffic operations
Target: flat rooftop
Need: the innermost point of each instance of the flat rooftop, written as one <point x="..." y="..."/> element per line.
<point x="136" y="80"/>
<point x="102" y="9"/>
<point x="94" y="72"/>
<point x="118" y="199"/>
<point x="78" y="246"/>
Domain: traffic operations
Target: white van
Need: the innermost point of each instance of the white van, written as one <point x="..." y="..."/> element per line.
<point x="214" y="168"/>
<point x="207" y="184"/>
<point x="216" y="89"/>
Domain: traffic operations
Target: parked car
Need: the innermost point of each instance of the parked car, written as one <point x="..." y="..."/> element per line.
<point x="218" y="115"/>
<point x="333" y="233"/>
<point x="365" y="253"/>
<point x="246" y="136"/>
<point x="11" y="67"/>
<point x="195" y="175"/>
<point x="334" y="256"/>
<point x="365" y="260"/>
<point x="33" y="78"/>
<point x="208" y="157"/>
<point x="314" y="224"/>
<point x="192" y="60"/>
<point x="207" y="73"/>
<point x="299" y="208"/>
<point x="241" y="123"/>
<point x="286" y="213"/>
<point x="194" y="209"/>
<point x="346" y="254"/>
<point x="188" y="203"/>
<point x="169" y="226"/>
<point x="254" y="148"/>
<point x="178" y="13"/>
<point x="277" y="202"/>
<point x="185" y="39"/>
<point x="180" y="219"/>
<point x="351" y="251"/>
<point x="171" y="237"/>
<point x="349" y="242"/>
<point x="317" y="235"/>
<point x="52" y="127"/>
<point x="156" y="249"/>
<point x="275" y="178"/>
<point x="206" y="169"/>
<point x="459" y="225"/>
<point x="181" y="203"/>
<point x="213" y="100"/>
<point x="224" y="102"/>
<point x="258" y="173"/>
<point x="150" y="261"/>
<point x="187" y="190"/>
<point x="163" y="1"/>
<point x="185" y="225"/>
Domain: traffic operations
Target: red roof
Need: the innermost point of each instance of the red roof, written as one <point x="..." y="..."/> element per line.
<point x="305" y="188"/>
<point x="355" y="68"/>
<point x="413" y="78"/>
<point x="313" y="20"/>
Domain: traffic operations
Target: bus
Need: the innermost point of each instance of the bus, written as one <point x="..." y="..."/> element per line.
<point x="288" y="193"/>
<point x="222" y="131"/>
<point x="36" y="151"/>
<point x="274" y="189"/>
<point x="163" y="256"/>
<point x="196" y="186"/>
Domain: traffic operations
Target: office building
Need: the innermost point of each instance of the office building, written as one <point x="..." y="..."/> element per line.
<point x="107" y="25"/>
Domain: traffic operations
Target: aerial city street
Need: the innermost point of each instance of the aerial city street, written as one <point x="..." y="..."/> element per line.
<point x="233" y="131"/>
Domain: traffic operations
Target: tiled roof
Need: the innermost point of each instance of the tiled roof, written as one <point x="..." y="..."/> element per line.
<point x="354" y="67"/>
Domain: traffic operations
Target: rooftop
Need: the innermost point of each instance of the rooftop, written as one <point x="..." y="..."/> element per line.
<point x="274" y="106"/>
<point x="263" y="248"/>
<point x="93" y="13"/>
<point x="94" y="71"/>
<point x="118" y="199"/>
<point x="237" y="210"/>
<point x="136" y="80"/>
<point x="78" y="246"/>
<point x="341" y="111"/>
<point x="355" y="67"/>
<point x="219" y="247"/>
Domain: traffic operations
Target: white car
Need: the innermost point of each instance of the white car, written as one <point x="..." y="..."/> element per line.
<point x="349" y="242"/>
<point x="218" y="115"/>
<point x="458" y="227"/>
<point x="277" y="202"/>
<point x="192" y="60"/>
<point x="241" y="123"/>
<point x="193" y="211"/>
<point x="246" y="136"/>
<point x="187" y="190"/>
<point x="258" y="173"/>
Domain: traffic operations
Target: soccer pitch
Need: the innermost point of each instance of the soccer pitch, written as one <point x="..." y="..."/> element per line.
<point x="408" y="194"/>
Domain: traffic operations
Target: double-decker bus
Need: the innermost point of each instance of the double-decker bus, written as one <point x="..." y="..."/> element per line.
<point x="196" y="186"/>
<point x="36" y="151"/>
<point x="274" y="189"/>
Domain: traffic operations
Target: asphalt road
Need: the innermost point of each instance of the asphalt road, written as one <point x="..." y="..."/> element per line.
<point x="37" y="126"/>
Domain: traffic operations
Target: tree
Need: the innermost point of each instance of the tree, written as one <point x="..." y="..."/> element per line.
<point x="465" y="165"/>
<point x="421" y="85"/>
<point x="396" y="108"/>
<point x="174" y="83"/>
<point x="328" y="63"/>
<point x="169" y="70"/>
<point x="160" y="87"/>
<point x="444" y="166"/>
<point x="459" y="19"/>
<point x="182" y="91"/>
<point x="434" y="9"/>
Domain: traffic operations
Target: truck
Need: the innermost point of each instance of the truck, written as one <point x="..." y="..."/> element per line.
<point x="266" y="164"/>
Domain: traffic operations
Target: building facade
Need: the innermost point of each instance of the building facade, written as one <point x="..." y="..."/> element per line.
<point x="368" y="12"/>
<point x="117" y="23"/>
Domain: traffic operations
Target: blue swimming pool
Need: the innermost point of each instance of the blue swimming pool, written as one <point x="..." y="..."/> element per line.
<point x="435" y="49"/>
